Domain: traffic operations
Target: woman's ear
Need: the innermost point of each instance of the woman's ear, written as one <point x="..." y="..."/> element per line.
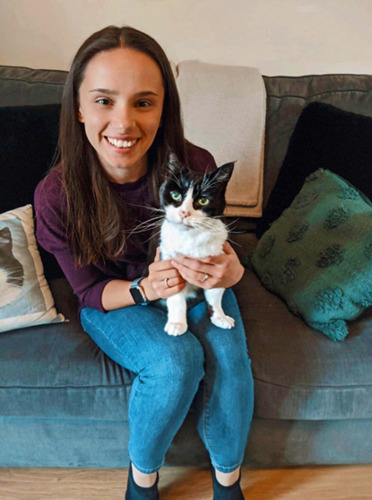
<point x="80" y="117"/>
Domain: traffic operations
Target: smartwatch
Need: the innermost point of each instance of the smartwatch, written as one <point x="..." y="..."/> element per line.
<point x="137" y="292"/>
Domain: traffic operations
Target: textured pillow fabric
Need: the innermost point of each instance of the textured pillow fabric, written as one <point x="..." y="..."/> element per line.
<point x="318" y="255"/>
<point x="324" y="137"/>
<point x="25" y="297"/>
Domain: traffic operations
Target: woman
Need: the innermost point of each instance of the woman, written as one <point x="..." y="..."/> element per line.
<point x="120" y="115"/>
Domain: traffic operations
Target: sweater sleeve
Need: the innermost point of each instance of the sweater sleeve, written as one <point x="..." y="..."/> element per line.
<point x="88" y="281"/>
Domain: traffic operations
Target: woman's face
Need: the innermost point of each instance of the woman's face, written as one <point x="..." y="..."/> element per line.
<point x="120" y="104"/>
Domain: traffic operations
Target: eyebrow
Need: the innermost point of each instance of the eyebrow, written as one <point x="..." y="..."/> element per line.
<point x="114" y="92"/>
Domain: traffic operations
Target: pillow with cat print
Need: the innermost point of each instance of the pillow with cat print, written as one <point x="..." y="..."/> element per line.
<point x="25" y="297"/>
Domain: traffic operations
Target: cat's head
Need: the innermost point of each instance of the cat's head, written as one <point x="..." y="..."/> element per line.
<point x="188" y="197"/>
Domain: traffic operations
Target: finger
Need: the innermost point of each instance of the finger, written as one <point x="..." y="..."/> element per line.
<point x="173" y="282"/>
<point x="193" y="276"/>
<point x="157" y="255"/>
<point x="194" y="264"/>
<point x="167" y="291"/>
<point x="162" y="266"/>
<point x="227" y="248"/>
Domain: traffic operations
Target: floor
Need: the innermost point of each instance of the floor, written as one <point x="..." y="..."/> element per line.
<point x="181" y="483"/>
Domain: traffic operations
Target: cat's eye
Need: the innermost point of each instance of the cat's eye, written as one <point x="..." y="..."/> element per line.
<point x="176" y="196"/>
<point x="203" y="202"/>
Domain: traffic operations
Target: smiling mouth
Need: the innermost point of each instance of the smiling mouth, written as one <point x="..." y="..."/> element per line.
<point x="122" y="144"/>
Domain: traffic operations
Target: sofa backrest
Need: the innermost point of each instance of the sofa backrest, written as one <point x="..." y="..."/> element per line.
<point x="286" y="97"/>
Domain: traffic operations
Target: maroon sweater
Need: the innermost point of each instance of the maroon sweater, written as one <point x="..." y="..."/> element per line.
<point x="89" y="281"/>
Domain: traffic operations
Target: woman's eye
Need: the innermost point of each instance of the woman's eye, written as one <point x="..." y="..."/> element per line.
<point x="176" y="196"/>
<point x="144" y="104"/>
<point x="103" y="101"/>
<point x="203" y="202"/>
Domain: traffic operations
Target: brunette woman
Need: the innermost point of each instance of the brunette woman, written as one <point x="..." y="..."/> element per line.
<point x="120" y="115"/>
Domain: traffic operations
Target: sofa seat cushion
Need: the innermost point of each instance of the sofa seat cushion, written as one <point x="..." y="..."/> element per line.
<point x="299" y="373"/>
<point x="57" y="371"/>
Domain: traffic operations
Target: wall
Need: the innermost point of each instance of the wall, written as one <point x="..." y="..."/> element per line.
<point x="291" y="37"/>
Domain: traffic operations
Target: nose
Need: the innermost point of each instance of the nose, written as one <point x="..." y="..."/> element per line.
<point x="123" y="119"/>
<point x="184" y="214"/>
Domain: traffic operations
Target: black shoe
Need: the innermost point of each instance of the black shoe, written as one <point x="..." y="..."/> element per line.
<point x="135" y="492"/>
<point x="221" y="492"/>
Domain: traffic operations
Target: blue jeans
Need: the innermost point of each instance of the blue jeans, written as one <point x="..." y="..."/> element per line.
<point x="207" y="367"/>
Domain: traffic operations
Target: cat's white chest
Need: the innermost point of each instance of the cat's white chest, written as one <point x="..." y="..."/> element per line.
<point x="192" y="242"/>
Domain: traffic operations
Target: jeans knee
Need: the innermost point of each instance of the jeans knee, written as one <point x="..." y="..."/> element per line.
<point x="183" y="366"/>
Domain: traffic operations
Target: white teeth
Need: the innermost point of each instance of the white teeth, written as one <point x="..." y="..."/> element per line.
<point x="121" y="144"/>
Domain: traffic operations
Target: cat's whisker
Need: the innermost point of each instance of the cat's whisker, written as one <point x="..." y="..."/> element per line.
<point x="153" y="236"/>
<point x="233" y="243"/>
<point x="148" y="207"/>
<point x="229" y="224"/>
<point x="144" y="230"/>
<point x="153" y="220"/>
<point x="147" y="225"/>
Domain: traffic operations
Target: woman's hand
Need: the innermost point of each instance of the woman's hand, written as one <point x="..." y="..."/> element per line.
<point x="222" y="271"/>
<point x="163" y="280"/>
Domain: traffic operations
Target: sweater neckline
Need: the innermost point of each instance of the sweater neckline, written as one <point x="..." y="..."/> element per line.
<point x="129" y="186"/>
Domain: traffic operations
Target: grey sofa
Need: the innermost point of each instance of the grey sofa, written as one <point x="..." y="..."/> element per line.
<point x="63" y="403"/>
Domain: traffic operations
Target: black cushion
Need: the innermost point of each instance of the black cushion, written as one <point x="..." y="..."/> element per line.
<point x="324" y="137"/>
<point x="28" y="142"/>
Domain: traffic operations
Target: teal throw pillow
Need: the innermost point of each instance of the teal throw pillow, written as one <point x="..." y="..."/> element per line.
<point x="318" y="255"/>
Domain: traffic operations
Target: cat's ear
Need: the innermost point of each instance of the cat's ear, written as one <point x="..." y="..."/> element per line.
<point x="173" y="162"/>
<point x="223" y="173"/>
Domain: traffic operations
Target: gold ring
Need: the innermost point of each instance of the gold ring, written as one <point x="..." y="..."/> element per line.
<point x="166" y="282"/>
<point x="205" y="277"/>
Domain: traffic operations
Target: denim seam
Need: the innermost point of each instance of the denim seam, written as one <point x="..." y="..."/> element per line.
<point x="147" y="471"/>
<point x="206" y="415"/>
<point x="220" y="468"/>
<point x="132" y="396"/>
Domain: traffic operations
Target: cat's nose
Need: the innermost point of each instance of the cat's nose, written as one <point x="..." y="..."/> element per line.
<point x="184" y="214"/>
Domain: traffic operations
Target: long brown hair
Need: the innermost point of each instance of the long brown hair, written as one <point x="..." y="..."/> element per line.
<point x="96" y="223"/>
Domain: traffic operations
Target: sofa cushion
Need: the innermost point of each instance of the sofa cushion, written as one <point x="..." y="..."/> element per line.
<point x="324" y="137"/>
<point x="21" y="86"/>
<point x="29" y="136"/>
<point x="298" y="373"/>
<point x="59" y="372"/>
<point x="25" y="297"/>
<point x="318" y="255"/>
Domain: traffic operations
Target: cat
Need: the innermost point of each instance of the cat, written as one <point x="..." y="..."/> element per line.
<point x="11" y="270"/>
<point x="193" y="206"/>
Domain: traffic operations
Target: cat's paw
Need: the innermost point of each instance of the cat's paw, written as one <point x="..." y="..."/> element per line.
<point x="175" y="328"/>
<point x="223" y="321"/>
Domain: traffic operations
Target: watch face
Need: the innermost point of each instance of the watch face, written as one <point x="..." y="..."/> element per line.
<point x="137" y="294"/>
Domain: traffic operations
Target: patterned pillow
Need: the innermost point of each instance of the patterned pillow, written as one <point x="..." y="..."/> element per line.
<point x="318" y="255"/>
<point x="25" y="297"/>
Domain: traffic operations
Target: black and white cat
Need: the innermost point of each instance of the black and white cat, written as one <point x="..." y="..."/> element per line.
<point x="11" y="270"/>
<point x="193" y="205"/>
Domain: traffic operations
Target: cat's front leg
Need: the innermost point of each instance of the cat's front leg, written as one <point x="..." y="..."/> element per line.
<point x="177" y="310"/>
<point x="214" y="298"/>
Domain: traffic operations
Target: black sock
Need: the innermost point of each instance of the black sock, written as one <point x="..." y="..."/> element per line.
<point x="221" y="492"/>
<point x="136" y="492"/>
